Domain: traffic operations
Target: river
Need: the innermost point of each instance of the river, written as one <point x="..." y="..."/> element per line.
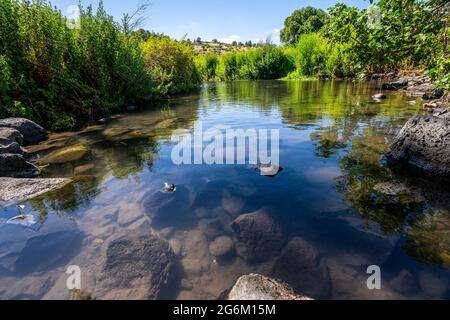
<point x="332" y="139"/>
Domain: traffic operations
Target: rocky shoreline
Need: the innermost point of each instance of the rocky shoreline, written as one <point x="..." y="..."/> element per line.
<point x="18" y="176"/>
<point x="423" y="144"/>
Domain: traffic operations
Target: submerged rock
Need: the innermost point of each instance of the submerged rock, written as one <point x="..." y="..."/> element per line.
<point x="15" y="166"/>
<point x="300" y="266"/>
<point x="258" y="287"/>
<point x="22" y="189"/>
<point x="221" y="246"/>
<point x="137" y="267"/>
<point x="69" y="154"/>
<point x="32" y="133"/>
<point x="424" y="143"/>
<point x="259" y="236"/>
<point x="167" y="209"/>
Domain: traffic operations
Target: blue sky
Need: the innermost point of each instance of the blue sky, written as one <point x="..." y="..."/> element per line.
<point x="225" y="20"/>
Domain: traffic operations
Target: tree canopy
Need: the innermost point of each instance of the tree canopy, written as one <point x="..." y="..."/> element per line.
<point x="304" y="20"/>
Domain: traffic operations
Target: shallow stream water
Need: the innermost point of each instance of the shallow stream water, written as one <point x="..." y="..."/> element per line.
<point x="331" y="193"/>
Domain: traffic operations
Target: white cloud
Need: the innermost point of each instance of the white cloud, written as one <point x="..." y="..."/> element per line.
<point x="274" y="36"/>
<point x="230" y="39"/>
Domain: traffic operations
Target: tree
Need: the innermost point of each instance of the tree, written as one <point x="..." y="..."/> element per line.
<point x="305" y="20"/>
<point x="199" y="40"/>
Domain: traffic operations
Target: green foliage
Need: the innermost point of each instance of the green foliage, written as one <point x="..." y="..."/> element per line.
<point x="302" y="21"/>
<point x="408" y="34"/>
<point x="207" y="66"/>
<point x="311" y="54"/>
<point x="64" y="78"/>
<point x="266" y="62"/>
<point x="171" y="65"/>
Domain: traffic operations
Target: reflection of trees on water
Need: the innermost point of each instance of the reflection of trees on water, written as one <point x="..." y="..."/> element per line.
<point x="122" y="149"/>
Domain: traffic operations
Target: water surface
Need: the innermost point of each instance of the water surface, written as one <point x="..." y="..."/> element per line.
<point x="332" y="138"/>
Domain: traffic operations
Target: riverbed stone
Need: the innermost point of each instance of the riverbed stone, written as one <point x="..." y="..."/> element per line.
<point x="15" y="166"/>
<point x="395" y="85"/>
<point x="424" y="143"/>
<point x="11" y="147"/>
<point x="22" y="189"/>
<point x="259" y="237"/>
<point x="300" y="266"/>
<point x="32" y="133"/>
<point x="168" y="209"/>
<point x="258" y="287"/>
<point x="137" y="267"/>
<point x="221" y="246"/>
<point x="65" y="155"/>
<point x="11" y="134"/>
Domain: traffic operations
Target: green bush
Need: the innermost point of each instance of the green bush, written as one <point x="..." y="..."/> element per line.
<point x="311" y="54"/>
<point x="62" y="77"/>
<point x="171" y="65"/>
<point x="207" y="66"/>
<point x="263" y="63"/>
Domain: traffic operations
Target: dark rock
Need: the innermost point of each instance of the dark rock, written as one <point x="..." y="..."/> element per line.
<point x="137" y="267"/>
<point x="395" y="85"/>
<point x="258" y="287"/>
<point x="32" y="133"/>
<point x="168" y="209"/>
<point x="424" y="143"/>
<point x="12" y="147"/>
<point x="15" y="166"/>
<point x="437" y="94"/>
<point x="259" y="236"/>
<point x="10" y="135"/>
<point x="48" y="251"/>
<point x="300" y="266"/>
<point x="23" y="189"/>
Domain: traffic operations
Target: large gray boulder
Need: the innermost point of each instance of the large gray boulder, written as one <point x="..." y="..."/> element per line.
<point x="137" y="267"/>
<point x="259" y="236"/>
<point x="22" y="189"/>
<point x="424" y="143"/>
<point x="15" y="166"/>
<point x="258" y="287"/>
<point x="8" y="135"/>
<point x="32" y="133"/>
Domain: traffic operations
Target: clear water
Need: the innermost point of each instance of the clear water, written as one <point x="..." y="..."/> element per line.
<point x="333" y="136"/>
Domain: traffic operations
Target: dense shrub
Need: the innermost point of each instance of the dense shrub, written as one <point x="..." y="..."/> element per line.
<point x="207" y="66"/>
<point x="63" y="77"/>
<point x="171" y="65"/>
<point x="263" y="63"/>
